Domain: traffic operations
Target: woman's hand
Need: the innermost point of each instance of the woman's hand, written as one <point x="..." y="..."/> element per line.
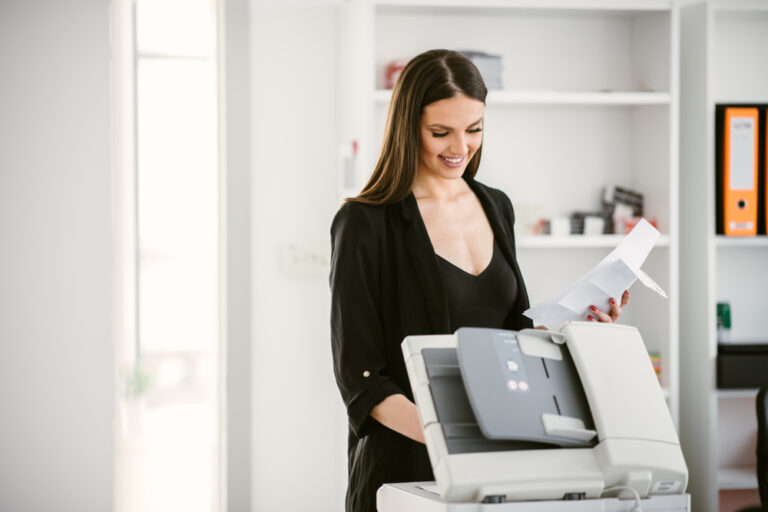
<point x="398" y="413"/>
<point x="597" y="315"/>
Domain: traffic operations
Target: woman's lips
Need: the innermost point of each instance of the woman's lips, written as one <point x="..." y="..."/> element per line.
<point x="452" y="161"/>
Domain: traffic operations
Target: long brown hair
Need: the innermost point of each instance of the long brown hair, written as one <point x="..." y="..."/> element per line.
<point x="429" y="77"/>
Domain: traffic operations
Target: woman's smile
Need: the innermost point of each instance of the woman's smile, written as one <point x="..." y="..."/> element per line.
<point x="452" y="161"/>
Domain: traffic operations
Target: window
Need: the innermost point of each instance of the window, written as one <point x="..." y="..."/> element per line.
<point x="169" y="440"/>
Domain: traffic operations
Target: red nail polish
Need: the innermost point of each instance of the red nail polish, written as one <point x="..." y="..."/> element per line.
<point x="612" y="302"/>
<point x="593" y="308"/>
<point x="590" y="319"/>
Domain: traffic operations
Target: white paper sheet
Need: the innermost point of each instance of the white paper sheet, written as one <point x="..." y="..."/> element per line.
<point x="609" y="278"/>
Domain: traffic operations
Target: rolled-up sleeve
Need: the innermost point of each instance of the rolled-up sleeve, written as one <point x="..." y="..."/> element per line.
<point x="357" y="334"/>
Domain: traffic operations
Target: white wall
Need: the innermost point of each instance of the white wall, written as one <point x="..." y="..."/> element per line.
<point x="238" y="156"/>
<point x="56" y="349"/>
<point x="299" y="424"/>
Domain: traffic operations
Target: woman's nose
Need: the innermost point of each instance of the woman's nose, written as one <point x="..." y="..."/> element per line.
<point x="458" y="144"/>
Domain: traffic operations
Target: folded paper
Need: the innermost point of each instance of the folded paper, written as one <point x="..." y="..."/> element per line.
<point x="609" y="278"/>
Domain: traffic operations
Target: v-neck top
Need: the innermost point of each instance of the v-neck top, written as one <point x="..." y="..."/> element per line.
<point x="484" y="300"/>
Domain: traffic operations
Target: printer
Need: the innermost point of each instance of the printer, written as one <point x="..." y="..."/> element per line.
<point x="534" y="420"/>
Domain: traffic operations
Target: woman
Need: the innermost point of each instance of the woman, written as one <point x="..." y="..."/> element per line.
<point x="424" y="249"/>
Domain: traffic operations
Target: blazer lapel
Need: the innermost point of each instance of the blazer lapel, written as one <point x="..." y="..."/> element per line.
<point x="424" y="260"/>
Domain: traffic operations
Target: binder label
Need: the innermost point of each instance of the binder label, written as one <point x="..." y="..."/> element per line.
<point x="742" y="154"/>
<point x="741" y="225"/>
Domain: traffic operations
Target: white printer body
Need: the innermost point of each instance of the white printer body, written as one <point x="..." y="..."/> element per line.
<point x="544" y="415"/>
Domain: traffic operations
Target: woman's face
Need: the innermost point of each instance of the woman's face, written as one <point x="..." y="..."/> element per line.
<point x="451" y="133"/>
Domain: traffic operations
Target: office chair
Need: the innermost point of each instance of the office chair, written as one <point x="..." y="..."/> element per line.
<point x="762" y="446"/>
<point x="762" y="450"/>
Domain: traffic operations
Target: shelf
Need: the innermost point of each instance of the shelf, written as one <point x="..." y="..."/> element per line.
<point x="502" y="97"/>
<point x="737" y="478"/>
<point x="577" y="241"/>
<point x="750" y="7"/>
<point x="534" y="5"/>
<point x="737" y="393"/>
<point x="743" y="241"/>
<point x="748" y="99"/>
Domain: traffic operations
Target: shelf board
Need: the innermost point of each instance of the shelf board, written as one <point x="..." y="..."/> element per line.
<point x="746" y="100"/>
<point x="741" y="241"/>
<point x="536" y="5"/>
<point x="508" y="97"/>
<point x="577" y="241"/>
<point x="737" y="478"/>
<point x="737" y="393"/>
<point x="740" y="6"/>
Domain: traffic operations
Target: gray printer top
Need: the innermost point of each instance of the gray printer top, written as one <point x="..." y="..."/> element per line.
<point x="490" y="395"/>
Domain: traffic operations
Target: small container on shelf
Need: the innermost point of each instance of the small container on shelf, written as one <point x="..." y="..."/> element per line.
<point x="723" y="322"/>
<point x="392" y="73"/>
<point x="656" y="362"/>
<point x="586" y="223"/>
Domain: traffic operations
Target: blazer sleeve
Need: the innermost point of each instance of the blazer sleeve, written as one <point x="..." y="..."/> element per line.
<point x="357" y="335"/>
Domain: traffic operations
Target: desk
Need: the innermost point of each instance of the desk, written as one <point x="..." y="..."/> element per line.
<point x="418" y="497"/>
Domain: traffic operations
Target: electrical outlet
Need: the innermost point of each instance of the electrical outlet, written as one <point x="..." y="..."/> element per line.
<point x="306" y="259"/>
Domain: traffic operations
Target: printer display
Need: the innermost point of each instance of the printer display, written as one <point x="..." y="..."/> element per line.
<point x="512" y="416"/>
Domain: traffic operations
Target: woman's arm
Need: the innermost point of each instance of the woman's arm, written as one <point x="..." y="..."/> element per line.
<point x="357" y="335"/>
<point x="398" y="413"/>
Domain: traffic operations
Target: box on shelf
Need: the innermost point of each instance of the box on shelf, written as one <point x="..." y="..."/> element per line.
<point x="742" y="366"/>
<point x="489" y="66"/>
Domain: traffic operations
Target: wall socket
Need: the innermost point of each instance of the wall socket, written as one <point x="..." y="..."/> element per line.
<point x="305" y="259"/>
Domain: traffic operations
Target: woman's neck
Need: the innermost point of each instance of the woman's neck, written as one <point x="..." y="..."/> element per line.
<point x="438" y="189"/>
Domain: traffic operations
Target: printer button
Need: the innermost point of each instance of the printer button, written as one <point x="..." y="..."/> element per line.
<point x="512" y="366"/>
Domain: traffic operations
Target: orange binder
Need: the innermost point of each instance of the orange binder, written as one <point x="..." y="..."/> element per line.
<point x="740" y="171"/>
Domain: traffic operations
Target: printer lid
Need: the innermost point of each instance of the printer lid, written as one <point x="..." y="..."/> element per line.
<point x="491" y="392"/>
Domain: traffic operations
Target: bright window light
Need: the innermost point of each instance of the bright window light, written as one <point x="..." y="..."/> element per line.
<point x="169" y="432"/>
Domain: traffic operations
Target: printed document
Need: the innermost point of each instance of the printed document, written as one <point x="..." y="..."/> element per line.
<point x="609" y="278"/>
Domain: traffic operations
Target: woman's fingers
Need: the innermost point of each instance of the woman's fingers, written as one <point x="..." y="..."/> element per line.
<point x="615" y="309"/>
<point x="598" y="315"/>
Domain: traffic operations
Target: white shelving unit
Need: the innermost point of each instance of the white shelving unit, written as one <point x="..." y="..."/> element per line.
<point x="589" y="99"/>
<point x="721" y="46"/>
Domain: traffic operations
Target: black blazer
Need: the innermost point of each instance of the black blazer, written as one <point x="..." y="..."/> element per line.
<point x="385" y="285"/>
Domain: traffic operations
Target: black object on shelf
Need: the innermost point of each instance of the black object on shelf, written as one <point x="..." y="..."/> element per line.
<point x="762" y="446"/>
<point x="742" y="366"/>
<point x="619" y="201"/>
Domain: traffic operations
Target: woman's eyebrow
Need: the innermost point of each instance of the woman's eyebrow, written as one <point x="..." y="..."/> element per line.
<point x="438" y="125"/>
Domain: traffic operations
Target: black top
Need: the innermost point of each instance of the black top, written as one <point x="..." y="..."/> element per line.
<point x="385" y="285"/>
<point x="483" y="300"/>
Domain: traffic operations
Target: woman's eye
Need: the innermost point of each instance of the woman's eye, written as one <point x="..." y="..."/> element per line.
<point x="475" y="130"/>
<point x="439" y="134"/>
